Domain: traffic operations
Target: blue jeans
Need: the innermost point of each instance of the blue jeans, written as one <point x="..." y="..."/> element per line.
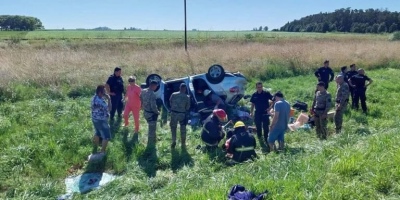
<point x="276" y="134"/>
<point x="102" y="129"/>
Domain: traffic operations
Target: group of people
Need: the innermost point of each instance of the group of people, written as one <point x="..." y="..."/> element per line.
<point x="352" y="83"/>
<point x="113" y="98"/>
<point x="240" y="144"/>
<point x="271" y="113"/>
<point x="109" y="100"/>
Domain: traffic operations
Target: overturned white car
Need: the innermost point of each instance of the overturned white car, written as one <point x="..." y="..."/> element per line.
<point x="227" y="85"/>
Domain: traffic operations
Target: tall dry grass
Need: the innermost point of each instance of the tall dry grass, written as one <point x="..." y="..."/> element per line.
<point x="90" y="63"/>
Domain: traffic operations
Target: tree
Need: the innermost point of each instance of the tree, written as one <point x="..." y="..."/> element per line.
<point x="375" y="28"/>
<point x="260" y="29"/>
<point x="19" y="23"/>
<point x="347" y="20"/>
<point x="333" y="27"/>
<point x="382" y="28"/>
<point x="265" y="28"/>
<point x="393" y="28"/>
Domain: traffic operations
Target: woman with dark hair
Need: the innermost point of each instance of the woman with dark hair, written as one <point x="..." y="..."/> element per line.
<point x="343" y="72"/>
<point x="101" y="106"/>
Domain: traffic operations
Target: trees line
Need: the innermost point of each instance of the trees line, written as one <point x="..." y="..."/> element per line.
<point x="19" y="23"/>
<point x="347" y="20"/>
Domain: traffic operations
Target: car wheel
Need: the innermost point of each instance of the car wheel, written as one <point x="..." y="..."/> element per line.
<point x="153" y="77"/>
<point x="215" y="74"/>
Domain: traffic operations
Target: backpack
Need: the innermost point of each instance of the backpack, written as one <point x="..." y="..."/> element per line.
<point x="238" y="192"/>
<point x="300" y="106"/>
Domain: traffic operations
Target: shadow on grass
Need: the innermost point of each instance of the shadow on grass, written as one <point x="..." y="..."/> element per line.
<point x="375" y="113"/>
<point x="294" y="151"/>
<point x="148" y="160"/>
<point x="264" y="148"/>
<point x="97" y="165"/>
<point x="180" y="159"/>
<point x="363" y="131"/>
<point x="129" y="144"/>
<point x="216" y="154"/>
<point x="115" y="125"/>
<point x="362" y="119"/>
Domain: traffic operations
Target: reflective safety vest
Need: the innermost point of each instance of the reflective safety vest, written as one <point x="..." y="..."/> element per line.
<point x="209" y="119"/>
<point x="243" y="148"/>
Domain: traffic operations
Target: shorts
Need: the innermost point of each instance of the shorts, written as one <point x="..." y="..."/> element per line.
<point x="276" y="134"/>
<point x="102" y="129"/>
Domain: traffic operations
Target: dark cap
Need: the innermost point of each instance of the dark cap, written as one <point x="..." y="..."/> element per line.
<point x="326" y="61"/>
<point x="153" y="82"/>
<point x="182" y="85"/>
<point x="321" y="83"/>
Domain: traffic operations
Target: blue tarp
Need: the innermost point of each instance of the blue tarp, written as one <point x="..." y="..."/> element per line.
<point x="85" y="183"/>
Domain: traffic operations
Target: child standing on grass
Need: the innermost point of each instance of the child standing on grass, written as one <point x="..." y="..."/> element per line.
<point x="133" y="103"/>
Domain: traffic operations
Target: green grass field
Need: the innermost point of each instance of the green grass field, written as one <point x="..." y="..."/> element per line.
<point x="126" y="34"/>
<point x="46" y="136"/>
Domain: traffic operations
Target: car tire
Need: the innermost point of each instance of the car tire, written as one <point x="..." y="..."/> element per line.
<point x="215" y="74"/>
<point x="153" y="77"/>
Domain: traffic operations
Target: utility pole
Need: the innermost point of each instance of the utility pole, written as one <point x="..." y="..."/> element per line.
<point x="185" y="26"/>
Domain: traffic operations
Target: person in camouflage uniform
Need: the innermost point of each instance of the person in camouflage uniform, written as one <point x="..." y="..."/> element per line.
<point x="320" y="108"/>
<point x="180" y="104"/>
<point x="342" y="98"/>
<point x="150" y="111"/>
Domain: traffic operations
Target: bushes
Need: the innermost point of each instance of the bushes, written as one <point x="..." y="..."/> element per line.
<point x="395" y="36"/>
<point x="15" y="92"/>
<point x="81" y="91"/>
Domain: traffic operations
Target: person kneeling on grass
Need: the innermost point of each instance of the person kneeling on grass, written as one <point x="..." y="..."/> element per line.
<point x="242" y="144"/>
<point x="279" y="122"/>
<point x="213" y="132"/>
<point x="101" y="106"/>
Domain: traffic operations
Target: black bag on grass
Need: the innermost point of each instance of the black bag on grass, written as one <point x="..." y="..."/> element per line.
<point x="300" y="106"/>
<point x="238" y="192"/>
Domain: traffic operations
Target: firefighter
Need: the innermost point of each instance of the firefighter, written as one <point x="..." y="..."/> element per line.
<point x="242" y="144"/>
<point x="212" y="132"/>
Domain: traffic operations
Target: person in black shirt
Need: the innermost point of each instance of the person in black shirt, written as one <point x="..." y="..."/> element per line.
<point x="358" y="82"/>
<point x="115" y="88"/>
<point x="325" y="74"/>
<point x="349" y="74"/>
<point x="260" y="101"/>
<point x="343" y="73"/>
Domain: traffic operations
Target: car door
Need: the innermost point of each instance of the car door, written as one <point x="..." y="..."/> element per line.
<point x="191" y="91"/>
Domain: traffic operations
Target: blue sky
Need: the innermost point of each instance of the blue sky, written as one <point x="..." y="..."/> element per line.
<point x="168" y="14"/>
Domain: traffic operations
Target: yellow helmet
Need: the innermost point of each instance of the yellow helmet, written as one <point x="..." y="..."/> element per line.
<point x="238" y="124"/>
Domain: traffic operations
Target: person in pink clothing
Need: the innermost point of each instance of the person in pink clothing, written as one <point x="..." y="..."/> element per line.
<point x="132" y="102"/>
